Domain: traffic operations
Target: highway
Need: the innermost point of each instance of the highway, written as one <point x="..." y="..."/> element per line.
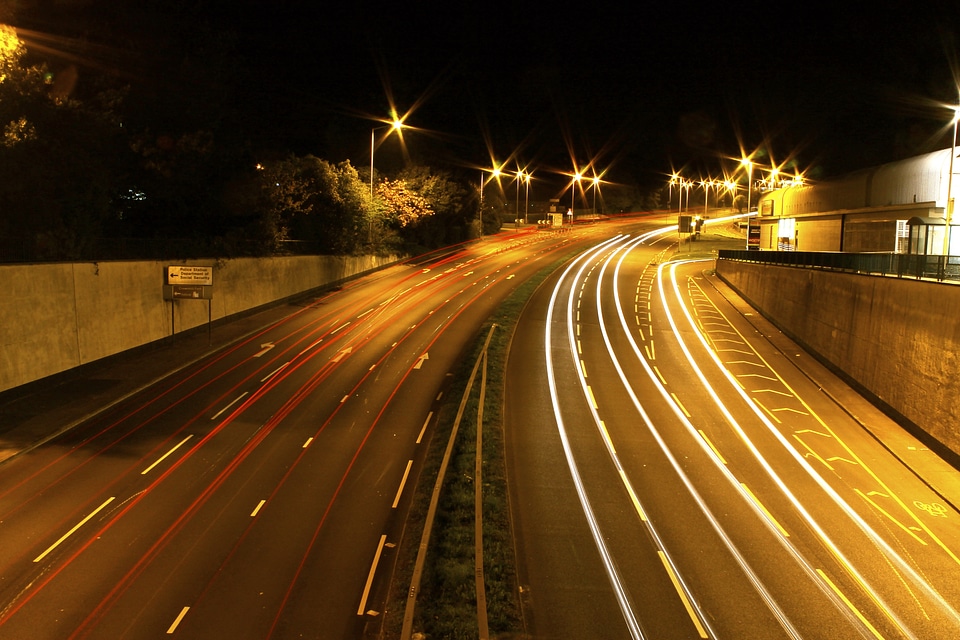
<point x="676" y="472"/>
<point x="260" y="492"/>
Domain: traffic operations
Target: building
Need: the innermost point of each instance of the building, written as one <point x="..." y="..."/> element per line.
<point x="896" y="207"/>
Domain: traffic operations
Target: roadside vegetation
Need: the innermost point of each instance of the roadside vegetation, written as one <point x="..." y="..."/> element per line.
<point x="101" y="165"/>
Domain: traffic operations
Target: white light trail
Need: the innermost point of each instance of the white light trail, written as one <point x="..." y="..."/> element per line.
<point x="890" y="553"/>
<point x="609" y="565"/>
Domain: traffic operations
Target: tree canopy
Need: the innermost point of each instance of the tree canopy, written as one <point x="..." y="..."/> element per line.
<point x="114" y="169"/>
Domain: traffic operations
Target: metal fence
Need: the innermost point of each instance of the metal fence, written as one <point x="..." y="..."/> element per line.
<point x="900" y="265"/>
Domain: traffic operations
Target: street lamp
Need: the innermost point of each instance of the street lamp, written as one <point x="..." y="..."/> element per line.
<point x="577" y="176"/>
<point x="685" y="184"/>
<point x="731" y="187"/>
<point x="396" y="125"/>
<point x="596" y="185"/>
<point x="526" y="201"/>
<point x="706" y="184"/>
<point x="516" y="218"/>
<point x="674" y="179"/>
<point x="494" y="173"/>
<point x="948" y="218"/>
<point x="746" y="162"/>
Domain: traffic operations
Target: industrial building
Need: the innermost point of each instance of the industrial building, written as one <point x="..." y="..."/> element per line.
<point x="899" y="207"/>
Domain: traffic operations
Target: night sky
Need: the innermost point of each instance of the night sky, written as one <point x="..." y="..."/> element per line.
<point x="637" y="90"/>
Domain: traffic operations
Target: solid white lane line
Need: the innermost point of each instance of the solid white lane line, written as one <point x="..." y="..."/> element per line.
<point x="403" y="481"/>
<point x="235" y="401"/>
<point x="315" y="343"/>
<point x="423" y="429"/>
<point x="275" y="371"/>
<point x="164" y="456"/>
<point x="75" y="527"/>
<point x="373" y="570"/>
<point x="173" y="627"/>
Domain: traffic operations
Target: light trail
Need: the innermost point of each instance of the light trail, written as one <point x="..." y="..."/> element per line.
<point x="699" y="620"/>
<point x="613" y="574"/>
<point x="775" y="609"/>
<point x="828" y="542"/>
<point x="828" y="432"/>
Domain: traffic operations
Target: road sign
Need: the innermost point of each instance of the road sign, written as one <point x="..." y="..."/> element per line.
<point x="188" y="274"/>
<point x="187" y="292"/>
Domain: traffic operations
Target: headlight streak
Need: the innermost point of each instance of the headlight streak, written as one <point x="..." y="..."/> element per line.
<point x="855" y="458"/>
<point x="772" y="527"/>
<point x="754" y="579"/>
<point x="612" y="573"/>
<point x="837" y="499"/>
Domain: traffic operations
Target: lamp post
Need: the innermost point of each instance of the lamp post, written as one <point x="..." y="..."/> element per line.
<point x="494" y="173"/>
<point x="706" y="184"/>
<point x="516" y="217"/>
<point x="577" y="176"/>
<point x="396" y="125"/>
<point x="596" y="185"/>
<point x="948" y="218"/>
<point x="526" y="201"/>
<point x="685" y="184"/>
<point x="674" y="179"/>
<point x="749" y="165"/>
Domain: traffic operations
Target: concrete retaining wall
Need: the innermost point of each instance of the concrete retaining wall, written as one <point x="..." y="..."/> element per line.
<point x="898" y="339"/>
<point x="54" y="317"/>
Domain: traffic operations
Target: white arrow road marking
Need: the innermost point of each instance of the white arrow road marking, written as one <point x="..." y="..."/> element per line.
<point x="340" y="355"/>
<point x="266" y="346"/>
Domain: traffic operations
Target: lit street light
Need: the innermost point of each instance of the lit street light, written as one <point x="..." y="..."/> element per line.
<point x="396" y="125"/>
<point x="749" y="165"/>
<point x="685" y="184"/>
<point x="674" y="179"/>
<point x="526" y="203"/>
<point x="516" y="217"/>
<point x="948" y="218"/>
<point x="596" y="185"/>
<point x="494" y="173"/>
<point x="577" y="176"/>
<point x="706" y="184"/>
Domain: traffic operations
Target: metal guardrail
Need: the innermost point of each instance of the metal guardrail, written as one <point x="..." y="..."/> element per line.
<point x="900" y="265"/>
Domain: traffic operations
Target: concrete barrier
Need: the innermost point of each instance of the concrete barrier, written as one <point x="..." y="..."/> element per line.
<point x="899" y="340"/>
<point x="54" y="317"/>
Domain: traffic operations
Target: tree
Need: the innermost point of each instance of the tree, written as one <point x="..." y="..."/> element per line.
<point x="337" y="221"/>
<point x="284" y="190"/>
<point x="447" y="199"/>
<point x="402" y="205"/>
<point x="61" y="159"/>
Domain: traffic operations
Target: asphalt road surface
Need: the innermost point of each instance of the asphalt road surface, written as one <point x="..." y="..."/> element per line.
<point x="679" y="469"/>
<point x="259" y="491"/>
